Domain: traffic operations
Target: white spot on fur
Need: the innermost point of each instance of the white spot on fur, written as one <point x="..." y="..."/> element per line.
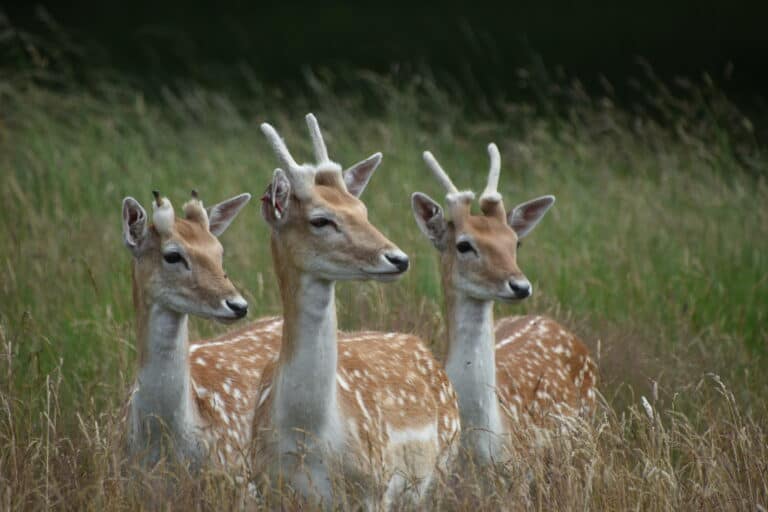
<point x="343" y="383"/>
<point x="264" y="395"/>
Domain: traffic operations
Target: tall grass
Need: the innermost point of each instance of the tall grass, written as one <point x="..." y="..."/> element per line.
<point x="656" y="254"/>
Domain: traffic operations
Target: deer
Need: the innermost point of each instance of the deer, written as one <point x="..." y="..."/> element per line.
<point x="191" y="403"/>
<point x="373" y="408"/>
<point x="523" y="369"/>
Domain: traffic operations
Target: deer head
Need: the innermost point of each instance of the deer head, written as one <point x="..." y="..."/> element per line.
<point x="177" y="262"/>
<point x="479" y="252"/>
<point x="319" y="226"/>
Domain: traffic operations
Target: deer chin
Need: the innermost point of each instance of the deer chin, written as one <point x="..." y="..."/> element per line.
<point x="508" y="298"/>
<point x="225" y="319"/>
<point x="223" y="315"/>
<point x="384" y="273"/>
<point x="384" y="276"/>
<point x="361" y="275"/>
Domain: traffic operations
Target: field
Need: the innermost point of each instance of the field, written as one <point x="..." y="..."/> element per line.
<point x="656" y="253"/>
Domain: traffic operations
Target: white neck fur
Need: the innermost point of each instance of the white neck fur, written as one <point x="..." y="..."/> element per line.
<point x="305" y="381"/>
<point x="162" y="402"/>
<point x="471" y="366"/>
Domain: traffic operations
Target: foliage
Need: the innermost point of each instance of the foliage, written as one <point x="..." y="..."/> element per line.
<point x="656" y="253"/>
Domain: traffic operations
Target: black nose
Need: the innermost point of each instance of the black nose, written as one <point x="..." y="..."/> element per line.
<point x="521" y="290"/>
<point x="240" y="309"/>
<point x="398" y="260"/>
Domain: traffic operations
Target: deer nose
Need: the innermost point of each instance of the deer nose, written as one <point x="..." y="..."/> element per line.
<point x="521" y="289"/>
<point x="398" y="259"/>
<point x="238" y="306"/>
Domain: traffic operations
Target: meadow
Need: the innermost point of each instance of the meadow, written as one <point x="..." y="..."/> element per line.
<point x="656" y="254"/>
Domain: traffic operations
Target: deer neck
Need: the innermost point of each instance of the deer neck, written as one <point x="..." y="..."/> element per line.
<point x="471" y="366"/>
<point x="304" y="384"/>
<point x="162" y="402"/>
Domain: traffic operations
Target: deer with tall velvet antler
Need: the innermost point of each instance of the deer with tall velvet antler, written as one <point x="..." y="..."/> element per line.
<point x="190" y="402"/>
<point x="373" y="408"/>
<point x="524" y="368"/>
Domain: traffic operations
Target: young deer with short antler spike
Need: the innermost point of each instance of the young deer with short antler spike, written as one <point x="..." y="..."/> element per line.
<point x="373" y="408"/>
<point x="182" y="409"/>
<point x="533" y="366"/>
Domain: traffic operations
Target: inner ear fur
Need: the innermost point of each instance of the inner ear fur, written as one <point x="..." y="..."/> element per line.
<point x="356" y="178"/>
<point x="430" y="219"/>
<point x="221" y="215"/>
<point x="275" y="203"/>
<point x="135" y="224"/>
<point x="526" y="216"/>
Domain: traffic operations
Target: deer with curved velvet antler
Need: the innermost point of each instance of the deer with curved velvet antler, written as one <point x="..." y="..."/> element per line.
<point x="189" y="402"/>
<point x="530" y="366"/>
<point x="373" y="408"/>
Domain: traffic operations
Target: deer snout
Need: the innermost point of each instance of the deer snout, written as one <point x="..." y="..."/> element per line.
<point x="521" y="288"/>
<point x="398" y="259"/>
<point x="238" y="306"/>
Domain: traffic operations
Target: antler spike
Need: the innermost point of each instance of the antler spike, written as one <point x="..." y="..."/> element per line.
<point x="491" y="192"/>
<point x="321" y="152"/>
<point x="304" y="177"/>
<point x="195" y="211"/>
<point x="162" y="215"/>
<point x="439" y="173"/>
<point x="458" y="202"/>
<point x="278" y="145"/>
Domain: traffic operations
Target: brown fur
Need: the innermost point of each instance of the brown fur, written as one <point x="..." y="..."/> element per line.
<point x="396" y="410"/>
<point x="495" y="241"/>
<point x="400" y="386"/>
<point x="208" y="283"/>
<point x="385" y="381"/>
<point x="542" y="368"/>
<point x="224" y="370"/>
<point x="297" y="244"/>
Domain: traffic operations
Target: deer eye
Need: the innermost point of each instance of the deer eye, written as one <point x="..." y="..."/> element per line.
<point x="464" y="247"/>
<point x="173" y="257"/>
<point x="321" y="222"/>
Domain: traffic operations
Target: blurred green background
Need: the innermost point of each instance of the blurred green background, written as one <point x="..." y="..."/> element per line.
<point x="647" y="123"/>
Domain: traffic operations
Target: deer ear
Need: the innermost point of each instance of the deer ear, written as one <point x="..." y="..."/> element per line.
<point x="524" y="217"/>
<point x="221" y="215"/>
<point x="276" y="199"/>
<point x="356" y="178"/>
<point x="135" y="226"/>
<point x="430" y="219"/>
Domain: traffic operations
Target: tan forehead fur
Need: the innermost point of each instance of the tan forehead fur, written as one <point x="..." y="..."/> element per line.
<point x="346" y="209"/>
<point x="483" y="225"/>
<point x="497" y="243"/>
<point x="339" y="200"/>
<point x="204" y="250"/>
<point x="362" y="241"/>
<point x="194" y="236"/>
